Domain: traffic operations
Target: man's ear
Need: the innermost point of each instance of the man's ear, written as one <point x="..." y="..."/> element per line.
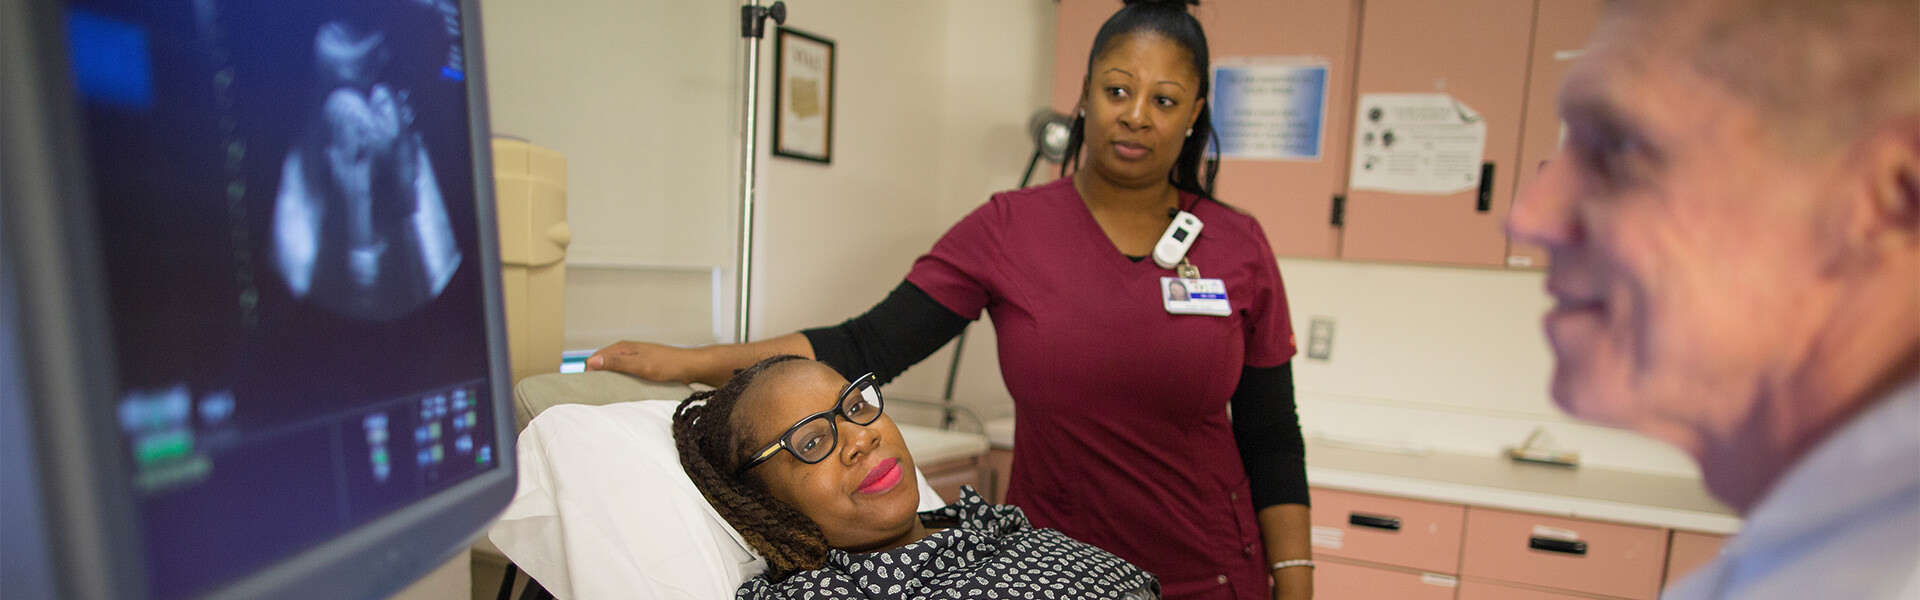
<point x="1892" y="211"/>
<point x="1875" y="200"/>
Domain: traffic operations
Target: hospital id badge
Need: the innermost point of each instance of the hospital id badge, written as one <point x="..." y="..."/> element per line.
<point x="1195" y="296"/>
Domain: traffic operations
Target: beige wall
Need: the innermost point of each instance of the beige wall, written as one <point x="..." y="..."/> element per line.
<point x="832" y="239"/>
<point x="932" y="105"/>
<point x="640" y="96"/>
<point x="999" y="56"/>
<point x="1440" y="358"/>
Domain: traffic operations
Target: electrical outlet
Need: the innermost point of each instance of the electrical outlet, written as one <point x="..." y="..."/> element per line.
<point x="1320" y="338"/>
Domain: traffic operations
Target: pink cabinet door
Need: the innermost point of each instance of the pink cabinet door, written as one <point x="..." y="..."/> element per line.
<point x="1075" y="23"/>
<point x="1333" y="579"/>
<point x="1476" y="51"/>
<point x="1393" y="531"/>
<point x="1572" y="554"/>
<point x="1690" y="551"/>
<point x="1481" y="590"/>
<point x="1560" y="32"/>
<point x="1292" y="199"/>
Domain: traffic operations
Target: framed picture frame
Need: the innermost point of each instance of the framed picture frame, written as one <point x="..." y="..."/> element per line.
<point x="803" y="93"/>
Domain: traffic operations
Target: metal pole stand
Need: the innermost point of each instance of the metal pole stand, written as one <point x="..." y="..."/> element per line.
<point x="753" y="27"/>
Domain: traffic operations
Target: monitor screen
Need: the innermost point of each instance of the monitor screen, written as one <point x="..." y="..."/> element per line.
<point x="286" y="198"/>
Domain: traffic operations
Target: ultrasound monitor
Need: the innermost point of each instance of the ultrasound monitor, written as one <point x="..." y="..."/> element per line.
<point x="253" y="340"/>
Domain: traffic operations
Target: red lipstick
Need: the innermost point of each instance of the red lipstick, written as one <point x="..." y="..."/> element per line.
<point x="882" y="478"/>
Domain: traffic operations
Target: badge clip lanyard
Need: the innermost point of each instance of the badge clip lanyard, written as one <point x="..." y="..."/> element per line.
<point x="1185" y="268"/>
<point x="1188" y="294"/>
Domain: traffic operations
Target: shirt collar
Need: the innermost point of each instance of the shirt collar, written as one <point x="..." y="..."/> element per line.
<point x="1869" y="460"/>
<point x="979" y="526"/>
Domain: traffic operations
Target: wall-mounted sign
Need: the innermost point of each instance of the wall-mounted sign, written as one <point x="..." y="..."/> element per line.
<point x="1416" y="144"/>
<point x="1270" y="108"/>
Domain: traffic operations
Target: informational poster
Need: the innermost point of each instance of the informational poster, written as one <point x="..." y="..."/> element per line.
<point x="1416" y="144"/>
<point x="1270" y="108"/>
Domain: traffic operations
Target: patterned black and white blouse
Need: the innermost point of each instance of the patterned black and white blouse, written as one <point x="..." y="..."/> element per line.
<point x="992" y="554"/>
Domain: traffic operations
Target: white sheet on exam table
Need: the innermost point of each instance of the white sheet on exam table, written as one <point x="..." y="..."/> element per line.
<point x="604" y="510"/>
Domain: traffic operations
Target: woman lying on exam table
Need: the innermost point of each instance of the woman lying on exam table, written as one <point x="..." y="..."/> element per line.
<point x="816" y="479"/>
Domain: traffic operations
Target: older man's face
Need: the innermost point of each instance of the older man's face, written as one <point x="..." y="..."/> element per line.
<point x="1682" y="241"/>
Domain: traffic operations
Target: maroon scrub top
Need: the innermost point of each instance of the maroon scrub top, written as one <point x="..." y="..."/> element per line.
<point x="1123" y="438"/>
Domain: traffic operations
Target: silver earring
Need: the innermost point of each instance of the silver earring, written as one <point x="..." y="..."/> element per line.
<point x="1082" y="114"/>
<point x="1189" y="132"/>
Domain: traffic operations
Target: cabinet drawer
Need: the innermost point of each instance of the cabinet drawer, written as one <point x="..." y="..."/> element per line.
<point x="1332" y="579"/>
<point x="1481" y="590"/>
<point x="1394" y="531"/>
<point x="1691" y="551"/>
<point x="1572" y="554"/>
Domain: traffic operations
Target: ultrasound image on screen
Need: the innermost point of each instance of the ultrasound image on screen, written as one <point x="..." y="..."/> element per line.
<point x="286" y="198"/>
<point x="359" y="224"/>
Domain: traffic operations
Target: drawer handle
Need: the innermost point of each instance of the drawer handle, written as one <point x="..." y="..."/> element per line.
<point x="1561" y="546"/>
<point x="1374" y="521"/>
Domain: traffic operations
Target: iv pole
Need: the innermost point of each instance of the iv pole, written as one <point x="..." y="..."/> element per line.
<point x="753" y="27"/>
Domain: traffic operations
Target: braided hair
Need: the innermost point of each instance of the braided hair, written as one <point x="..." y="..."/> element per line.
<point x="1193" y="172"/>
<point x="710" y="452"/>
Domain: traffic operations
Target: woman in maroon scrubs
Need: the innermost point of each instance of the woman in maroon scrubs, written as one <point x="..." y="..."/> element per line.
<point x="1120" y="392"/>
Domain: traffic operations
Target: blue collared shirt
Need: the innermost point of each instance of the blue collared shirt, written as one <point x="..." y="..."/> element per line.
<point x="1842" y="523"/>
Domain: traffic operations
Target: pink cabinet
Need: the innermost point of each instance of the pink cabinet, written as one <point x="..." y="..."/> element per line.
<point x="1690" y="551"/>
<point x="1385" y="530"/>
<point x="1075" y="24"/>
<point x="1476" y="52"/>
<point x="1334" y="579"/>
<point x="1482" y="590"/>
<point x="1584" y="556"/>
<point x="1503" y="59"/>
<point x="1292" y="199"/>
<point x="1560" y="33"/>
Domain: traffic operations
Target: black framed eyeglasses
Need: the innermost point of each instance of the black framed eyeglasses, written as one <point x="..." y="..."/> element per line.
<point x="814" y="438"/>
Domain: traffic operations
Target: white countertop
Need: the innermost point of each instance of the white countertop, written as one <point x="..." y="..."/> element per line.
<point x="1000" y="432"/>
<point x="1584" y="492"/>
<point x="932" y="446"/>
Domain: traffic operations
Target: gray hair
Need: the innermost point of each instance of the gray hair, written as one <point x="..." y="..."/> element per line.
<point x="1827" y="70"/>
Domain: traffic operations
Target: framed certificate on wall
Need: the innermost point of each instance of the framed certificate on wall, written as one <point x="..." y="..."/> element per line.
<point x="803" y="96"/>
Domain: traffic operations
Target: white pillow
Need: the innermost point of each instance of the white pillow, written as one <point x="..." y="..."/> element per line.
<point x="604" y="510"/>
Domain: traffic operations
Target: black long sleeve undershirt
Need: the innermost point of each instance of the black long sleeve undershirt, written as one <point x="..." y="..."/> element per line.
<point x="903" y="329"/>
<point x="1266" y="427"/>
<point x="908" y="326"/>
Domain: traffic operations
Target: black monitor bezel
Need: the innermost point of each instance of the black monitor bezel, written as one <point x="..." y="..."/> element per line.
<point x="56" y="274"/>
